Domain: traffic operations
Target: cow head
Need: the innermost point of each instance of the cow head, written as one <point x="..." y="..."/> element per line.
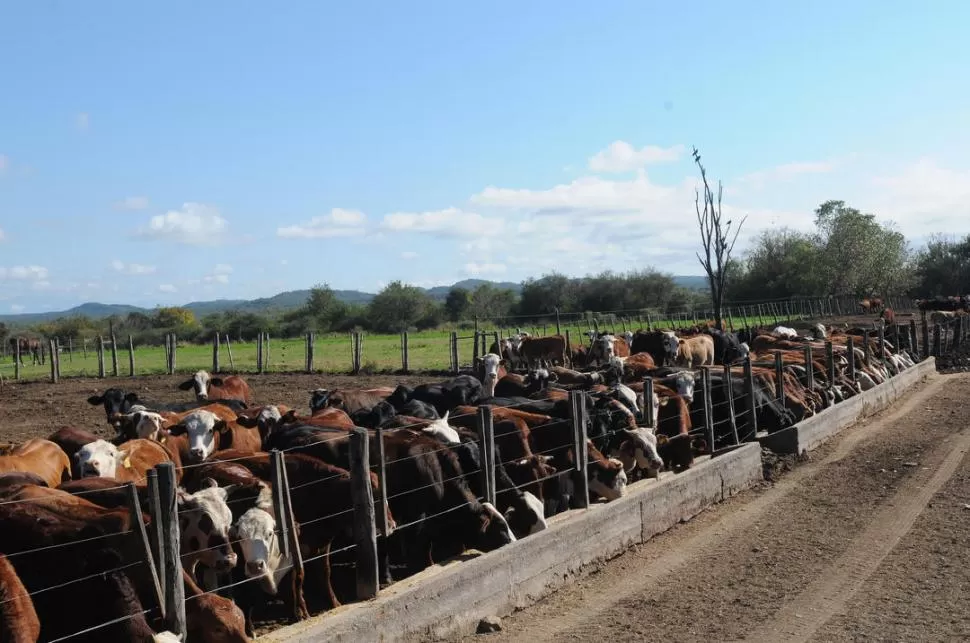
<point x="607" y="478"/>
<point x="202" y="428"/>
<point x="116" y="403"/>
<point x="441" y="431"/>
<point x="204" y="521"/>
<point x="99" y="459"/>
<point x="627" y="336"/>
<point x="671" y="344"/>
<point x="645" y="450"/>
<point x="744" y="350"/>
<point x="268" y="418"/>
<point x="490" y="364"/>
<point x="683" y="382"/>
<point x="201" y="382"/>
<point x="255" y="532"/>
<point x="494" y="530"/>
<point x="526" y="516"/>
<point x="319" y="399"/>
<point x="604" y="348"/>
<point x="146" y="424"/>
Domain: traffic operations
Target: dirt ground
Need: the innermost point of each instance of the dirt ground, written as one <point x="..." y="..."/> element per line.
<point x="36" y="409"/>
<point x="865" y="541"/>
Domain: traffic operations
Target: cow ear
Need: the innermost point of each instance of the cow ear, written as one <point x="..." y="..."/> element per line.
<point x="445" y="418"/>
<point x="248" y="422"/>
<point x="216" y="381"/>
<point x="288" y="417"/>
<point x="186" y="385"/>
<point x="95" y="400"/>
<point x="208" y="483"/>
<point x="662" y="439"/>
<point x="131" y="398"/>
<point x="221" y="426"/>
<point x="177" y="429"/>
<point x="664" y="401"/>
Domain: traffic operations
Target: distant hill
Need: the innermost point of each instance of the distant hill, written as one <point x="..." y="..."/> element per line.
<point x="283" y="301"/>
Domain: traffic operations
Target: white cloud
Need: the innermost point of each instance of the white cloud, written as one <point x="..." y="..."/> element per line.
<point x="132" y="268"/>
<point x="450" y="222"/>
<point x="167" y="288"/>
<point x="219" y="279"/>
<point x="24" y="273"/>
<point x="922" y="198"/>
<point x="409" y="254"/>
<point x="194" y="224"/>
<point x="620" y="156"/>
<point x="2" y="235"/>
<point x="787" y="172"/>
<point x="83" y="121"/>
<point x="484" y="268"/>
<point x="132" y="203"/>
<point x="4" y="163"/>
<point x="338" y="223"/>
<point x="17" y="308"/>
<point x="41" y="285"/>
<point x="222" y="269"/>
<point x="219" y="275"/>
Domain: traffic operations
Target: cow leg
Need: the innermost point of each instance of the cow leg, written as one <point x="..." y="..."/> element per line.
<point x="384" y="563"/>
<point x="326" y="577"/>
<point x="300" y="611"/>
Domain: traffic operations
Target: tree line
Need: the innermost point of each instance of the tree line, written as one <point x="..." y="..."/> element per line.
<point x="848" y="253"/>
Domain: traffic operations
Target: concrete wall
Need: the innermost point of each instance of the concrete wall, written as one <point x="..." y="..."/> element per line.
<point x="810" y="433"/>
<point x="445" y="600"/>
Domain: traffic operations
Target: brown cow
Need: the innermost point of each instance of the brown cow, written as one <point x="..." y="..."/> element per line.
<point x="207" y="432"/>
<point x="328" y="417"/>
<point x="695" y="351"/>
<point x="39" y="456"/>
<point x="538" y="351"/>
<point x="231" y="387"/>
<point x="638" y="366"/>
<point x="18" y="618"/>
<point x="350" y="401"/>
<point x="129" y="462"/>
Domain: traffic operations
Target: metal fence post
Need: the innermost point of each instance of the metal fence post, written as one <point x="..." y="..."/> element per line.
<point x="749" y="395"/>
<point x="936" y="340"/>
<point x="881" y="334"/>
<point x="850" y="348"/>
<point x="100" y="356"/>
<point x="648" y="418"/>
<point x="708" y="409"/>
<point x="365" y="528"/>
<point x="385" y="529"/>
<point x="830" y="363"/>
<point x="809" y="368"/>
<point x="779" y="378"/>
<point x="577" y="400"/>
<point x="728" y="385"/>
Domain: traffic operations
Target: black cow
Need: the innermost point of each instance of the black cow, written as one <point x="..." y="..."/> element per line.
<point x="657" y="344"/>
<point x="727" y="346"/>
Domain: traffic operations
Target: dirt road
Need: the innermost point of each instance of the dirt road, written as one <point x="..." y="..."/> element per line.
<point x="867" y="541"/>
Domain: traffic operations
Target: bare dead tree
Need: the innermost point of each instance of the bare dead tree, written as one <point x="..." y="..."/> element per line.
<point x="717" y="240"/>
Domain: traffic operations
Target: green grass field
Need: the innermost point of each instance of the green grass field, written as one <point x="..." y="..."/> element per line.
<point x="428" y="351"/>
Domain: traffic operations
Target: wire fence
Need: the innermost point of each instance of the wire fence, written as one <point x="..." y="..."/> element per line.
<point x="350" y="495"/>
<point x="25" y="357"/>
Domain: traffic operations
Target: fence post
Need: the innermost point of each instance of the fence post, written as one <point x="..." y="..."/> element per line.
<point x="558" y="328"/>
<point x="830" y="363"/>
<point x="708" y="408"/>
<point x="577" y="401"/>
<point x="309" y="352"/>
<point x="454" y="351"/>
<point x="114" y="354"/>
<point x="156" y="535"/>
<point x="882" y="346"/>
<point x="926" y="340"/>
<point x="297" y="556"/>
<point x="936" y="340"/>
<point x="266" y="360"/>
<point x="215" y="352"/>
<point x="53" y="347"/>
<point x="648" y="419"/>
<point x="70" y="350"/>
<point x="174" y="588"/>
<point x="279" y="507"/>
<point x="486" y="432"/>
<point x="232" y="366"/>
<point x="896" y="337"/>
<point x="779" y="378"/>
<point x="131" y="356"/>
<point x="957" y="333"/>
<point x="809" y="368"/>
<point x="382" y="482"/>
<point x="406" y="356"/>
<point x="259" y="352"/>
<point x="913" y="339"/>
<point x="174" y="355"/>
<point x="365" y="529"/>
<point x="850" y="348"/>
<point x="16" y="360"/>
<point x="749" y="395"/>
<point x="100" y="356"/>
<point x="134" y="506"/>
<point x="57" y="355"/>
<point x="728" y="386"/>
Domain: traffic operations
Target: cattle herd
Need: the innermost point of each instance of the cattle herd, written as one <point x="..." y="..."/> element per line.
<point x="65" y="517"/>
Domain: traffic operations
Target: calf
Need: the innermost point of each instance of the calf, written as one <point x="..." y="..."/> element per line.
<point x="537" y="351"/>
<point x="231" y="387"/>
<point x="695" y="351"/>
<point x="207" y="433"/>
<point x="204" y="521"/>
<point x="349" y="401"/>
<point x="41" y="457"/>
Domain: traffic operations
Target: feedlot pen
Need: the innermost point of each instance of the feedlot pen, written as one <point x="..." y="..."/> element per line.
<point x="865" y="541"/>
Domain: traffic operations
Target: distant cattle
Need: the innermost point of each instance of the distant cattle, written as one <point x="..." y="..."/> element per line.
<point x="207" y="387"/>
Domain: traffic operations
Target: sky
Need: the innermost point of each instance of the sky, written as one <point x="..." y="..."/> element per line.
<point x="157" y="155"/>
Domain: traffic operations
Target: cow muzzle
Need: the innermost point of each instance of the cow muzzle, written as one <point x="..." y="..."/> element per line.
<point x="197" y="455"/>
<point x="227" y="562"/>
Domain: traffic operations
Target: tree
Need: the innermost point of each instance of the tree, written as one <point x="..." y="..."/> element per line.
<point x="544" y="295"/>
<point x="398" y="307"/>
<point x="716" y="239"/>
<point x="489" y="302"/>
<point x="172" y="316"/>
<point x="457" y="303"/>
<point x="775" y="267"/>
<point x="942" y="267"/>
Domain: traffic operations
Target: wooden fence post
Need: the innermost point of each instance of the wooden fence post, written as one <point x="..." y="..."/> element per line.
<point x="577" y="402"/>
<point x="454" y="352"/>
<point x="174" y="587"/>
<point x="259" y="352"/>
<point x="648" y="419"/>
<point x="70" y="350"/>
<point x="156" y="535"/>
<point x="215" y="352"/>
<point x="16" y="360"/>
<point x="558" y="327"/>
<point x="266" y="358"/>
<point x="958" y="333"/>
<point x="749" y="395"/>
<point x="297" y="556"/>
<point x="309" y="352"/>
<point x="100" y="356"/>
<point x="914" y="341"/>
<point x="405" y="358"/>
<point x="365" y="529"/>
<point x="882" y="346"/>
<point x="927" y="350"/>
<point x="279" y="506"/>
<point x="232" y="366"/>
<point x="114" y="355"/>
<point x="850" y="350"/>
<point x="380" y="466"/>
<point x="936" y="340"/>
<point x="53" y="347"/>
<point x="173" y="355"/>
<point x="131" y="356"/>
<point x="134" y="506"/>
<point x="486" y="432"/>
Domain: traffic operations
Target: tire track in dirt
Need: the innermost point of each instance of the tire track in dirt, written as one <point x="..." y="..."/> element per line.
<point x="800" y="618"/>
<point x="565" y="615"/>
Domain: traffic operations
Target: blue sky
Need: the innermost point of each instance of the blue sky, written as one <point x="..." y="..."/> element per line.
<point x="187" y="151"/>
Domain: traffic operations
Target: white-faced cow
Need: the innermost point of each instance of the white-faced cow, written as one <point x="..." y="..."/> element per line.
<point x="207" y="387"/>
